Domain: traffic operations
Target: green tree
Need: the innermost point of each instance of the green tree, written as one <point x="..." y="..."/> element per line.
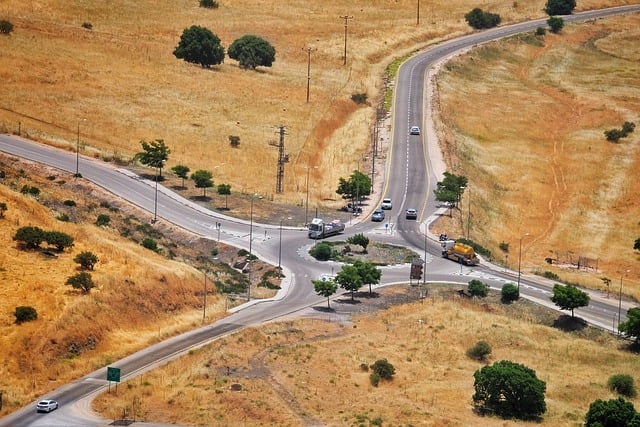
<point x="3" y="209"/>
<point x="153" y="154"/>
<point x="480" y="351"/>
<point x="182" y="172"/>
<point x="477" y="288"/>
<point x="25" y="313"/>
<point x="224" y="190"/>
<point x="252" y="51"/>
<point x="450" y="188"/>
<point x="198" y="45"/>
<point x="360" y="240"/>
<point x="611" y="413"/>
<point x="369" y="273"/>
<point x="622" y="384"/>
<point x="569" y="297"/>
<point x="321" y="251"/>
<point x="509" y="390"/>
<point x="30" y="236"/>
<point x="479" y="19"/>
<point x="60" y="240"/>
<point x="349" y="279"/>
<point x="86" y="259"/>
<point x="555" y="24"/>
<point x="358" y="185"/>
<point x="559" y="7"/>
<point x="6" y="27"/>
<point x="509" y="293"/>
<point x="382" y="369"/>
<point x="81" y="281"/>
<point x="202" y="179"/>
<point x="325" y="288"/>
<point x="631" y="327"/>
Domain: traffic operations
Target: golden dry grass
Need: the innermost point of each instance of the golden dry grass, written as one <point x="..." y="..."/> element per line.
<point x="308" y="372"/>
<point x="545" y="168"/>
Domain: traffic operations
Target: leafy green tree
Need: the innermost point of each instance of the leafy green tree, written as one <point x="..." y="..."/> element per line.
<point x="153" y="154"/>
<point x="480" y="351"/>
<point x="479" y="19"/>
<point x="182" y="172"/>
<point x="622" y="384"/>
<point x="86" y="259"/>
<point x="559" y="7"/>
<point x="555" y="24"/>
<point x="509" y="390"/>
<point x="81" y="281"/>
<point x="202" y="179"/>
<point x="381" y="369"/>
<point x="360" y="240"/>
<point x="224" y="190"/>
<point x="349" y="279"/>
<point x="3" y="209"/>
<point x="569" y="297"/>
<point x="25" y="313"/>
<point x="6" y="27"/>
<point x="252" y="51"/>
<point x="450" y="188"/>
<point x="358" y="185"/>
<point x="325" y="288"/>
<point x="30" y="236"/>
<point x="631" y="327"/>
<point x="321" y="251"/>
<point x="198" y="45"/>
<point x="509" y="293"/>
<point x="611" y="413"/>
<point x="368" y="272"/>
<point x="477" y="288"/>
<point x="60" y="240"/>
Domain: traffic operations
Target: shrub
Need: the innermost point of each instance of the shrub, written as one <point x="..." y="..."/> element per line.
<point x="234" y="141"/>
<point x="150" y="244"/>
<point x="209" y="4"/>
<point x="622" y="384"/>
<point x="480" y="351"/>
<point x="25" y="314"/>
<point x="69" y="203"/>
<point x="321" y="251"/>
<point x="103" y="220"/>
<point x="87" y="25"/>
<point x="214" y="252"/>
<point x="82" y="281"/>
<point x="383" y="369"/>
<point x="60" y="240"/>
<point x="540" y="31"/>
<point x="6" y="27"/>
<point x="33" y="191"/>
<point x="86" y="259"/>
<point x="555" y="24"/>
<point x="479" y="19"/>
<point x="478" y="289"/>
<point x="30" y="236"/>
<point x="550" y="275"/>
<point x="509" y="293"/>
<point x="359" y="98"/>
<point x="559" y="7"/>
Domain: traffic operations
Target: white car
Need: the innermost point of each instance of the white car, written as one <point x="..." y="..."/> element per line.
<point x="415" y="130"/>
<point x="412" y="214"/>
<point x="386" y="204"/>
<point x="46" y="405"/>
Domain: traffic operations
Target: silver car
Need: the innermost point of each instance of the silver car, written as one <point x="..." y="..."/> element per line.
<point x="47" y="405"/>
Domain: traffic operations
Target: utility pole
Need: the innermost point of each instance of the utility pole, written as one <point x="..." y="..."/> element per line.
<point x="309" y="49"/>
<point x="418" y="15"/>
<point x="346" y="25"/>
<point x="282" y="158"/>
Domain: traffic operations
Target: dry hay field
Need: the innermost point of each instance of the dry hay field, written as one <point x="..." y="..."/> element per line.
<point x="524" y="120"/>
<point x="308" y="372"/>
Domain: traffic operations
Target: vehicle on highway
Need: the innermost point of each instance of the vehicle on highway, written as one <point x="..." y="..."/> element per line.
<point x="415" y="130"/>
<point x="378" y="215"/>
<point x="46" y="405"/>
<point x="386" y="204"/>
<point x="411" y="214"/>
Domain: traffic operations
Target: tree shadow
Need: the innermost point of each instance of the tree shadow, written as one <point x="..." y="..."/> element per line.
<point x="323" y="309"/>
<point x="178" y="187"/>
<point x="567" y="323"/>
<point x="348" y="300"/>
<point x="201" y="198"/>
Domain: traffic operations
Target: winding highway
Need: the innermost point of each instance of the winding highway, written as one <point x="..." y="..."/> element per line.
<point x="413" y="167"/>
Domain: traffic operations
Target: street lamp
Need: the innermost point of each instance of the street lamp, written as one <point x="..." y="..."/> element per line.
<point x="155" y="198"/>
<point x="204" y="298"/>
<point x="520" y="260"/>
<point x="280" y="245"/>
<point x="78" y="149"/>
<point x="250" y="243"/>
<point x="306" y="208"/>
<point x="620" y="299"/>
<point x="424" y="273"/>
<point x="469" y="215"/>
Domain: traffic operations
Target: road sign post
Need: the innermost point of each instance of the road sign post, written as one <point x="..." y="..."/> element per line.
<point x="113" y="374"/>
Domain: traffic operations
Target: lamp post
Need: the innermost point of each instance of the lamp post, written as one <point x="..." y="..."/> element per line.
<point x="620" y="299"/>
<point x="424" y="273"/>
<point x="78" y="149"/>
<point x="155" y="197"/>
<point x="469" y="216"/>
<point x="280" y="245"/>
<point x="306" y="206"/>
<point x="520" y="260"/>
<point x="204" y="298"/>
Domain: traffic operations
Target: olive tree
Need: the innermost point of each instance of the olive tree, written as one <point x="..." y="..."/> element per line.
<point x="86" y="259"/>
<point x="252" y="51"/>
<point x="81" y="281"/>
<point x="31" y="237"/>
<point x="198" y="45"/>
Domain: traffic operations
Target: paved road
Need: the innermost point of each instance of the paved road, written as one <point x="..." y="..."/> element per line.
<point x="412" y="162"/>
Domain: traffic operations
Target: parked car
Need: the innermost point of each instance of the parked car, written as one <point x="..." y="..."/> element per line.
<point x="46" y="405"/>
<point x="378" y="215"/>
<point x="386" y="204"/>
<point x="415" y="130"/>
<point x="412" y="214"/>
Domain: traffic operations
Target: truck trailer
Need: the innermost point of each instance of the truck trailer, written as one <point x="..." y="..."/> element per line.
<point x="459" y="252"/>
<point x="318" y="229"/>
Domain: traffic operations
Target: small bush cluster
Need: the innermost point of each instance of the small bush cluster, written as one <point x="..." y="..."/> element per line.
<point x="477" y="288"/>
<point x="509" y="293"/>
<point x="103" y="220"/>
<point x="209" y="4"/>
<point x="25" y="314"/>
<point x="359" y="98"/>
<point x="622" y="384"/>
<point x="480" y="19"/>
<point x="321" y="251"/>
<point x="480" y="351"/>
<point x="32" y="238"/>
<point x="32" y="191"/>
<point x="614" y="135"/>
<point x="6" y="27"/>
<point x="381" y="370"/>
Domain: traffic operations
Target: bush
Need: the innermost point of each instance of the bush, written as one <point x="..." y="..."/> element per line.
<point x="480" y="351"/>
<point x="60" y="240"/>
<point x="25" y="314"/>
<point x="540" y="31"/>
<point x="555" y="24"/>
<point x="87" y="25"/>
<point x="321" y="251"/>
<point x="381" y="370"/>
<point x="209" y="4"/>
<point x="509" y="293"/>
<point x="30" y="236"/>
<point x="86" y="259"/>
<point x="5" y="27"/>
<point x="150" y="244"/>
<point x="622" y="384"/>
<point x="33" y="191"/>
<point x="478" y="289"/>
<point x="359" y="98"/>
<point x="82" y="281"/>
<point x="479" y="19"/>
<point x="69" y="203"/>
<point x="612" y="413"/>
<point x="103" y="220"/>
<point x="559" y="7"/>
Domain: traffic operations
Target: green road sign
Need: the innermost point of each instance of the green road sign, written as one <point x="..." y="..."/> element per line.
<point x="113" y="374"/>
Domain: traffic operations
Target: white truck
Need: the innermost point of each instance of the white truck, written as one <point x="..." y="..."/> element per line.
<point x="318" y="229"/>
<point x="459" y="252"/>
